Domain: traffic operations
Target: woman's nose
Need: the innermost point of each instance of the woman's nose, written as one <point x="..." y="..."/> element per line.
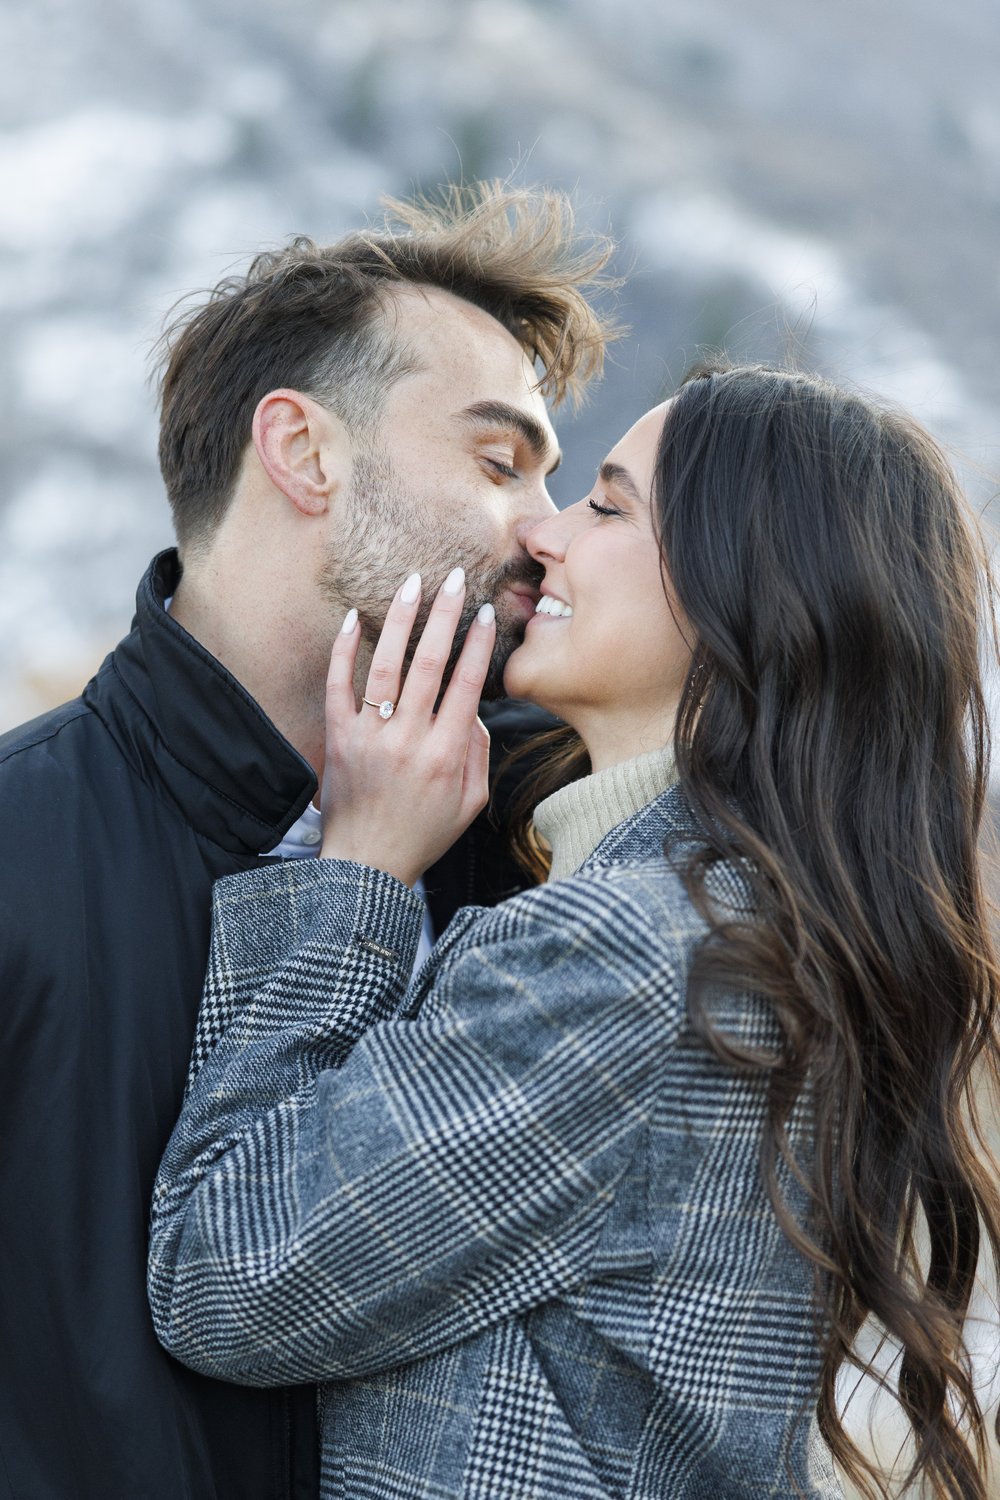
<point x="550" y="538"/>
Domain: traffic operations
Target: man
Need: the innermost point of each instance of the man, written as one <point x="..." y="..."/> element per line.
<point x="332" y="421"/>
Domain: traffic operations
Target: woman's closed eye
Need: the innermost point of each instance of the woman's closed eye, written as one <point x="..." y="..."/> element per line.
<point x="603" y="510"/>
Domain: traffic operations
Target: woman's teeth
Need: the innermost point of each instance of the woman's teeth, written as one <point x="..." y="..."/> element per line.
<point x="547" y="605"/>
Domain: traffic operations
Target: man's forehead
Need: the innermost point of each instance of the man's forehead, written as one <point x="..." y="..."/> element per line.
<point x="461" y="353"/>
<point x="458" y="341"/>
<point x="432" y="317"/>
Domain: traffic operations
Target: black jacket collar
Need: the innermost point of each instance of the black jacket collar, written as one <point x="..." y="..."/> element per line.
<point x="187" y="725"/>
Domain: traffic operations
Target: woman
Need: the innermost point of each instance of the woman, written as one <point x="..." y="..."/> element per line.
<point x="597" y="1207"/>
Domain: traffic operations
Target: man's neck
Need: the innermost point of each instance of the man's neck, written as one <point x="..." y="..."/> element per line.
<point x="263" y="645"/>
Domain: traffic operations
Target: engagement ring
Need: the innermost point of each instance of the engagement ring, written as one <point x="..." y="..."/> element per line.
<point x="386" y="708"/>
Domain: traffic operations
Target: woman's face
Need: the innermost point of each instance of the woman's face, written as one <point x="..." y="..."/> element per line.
<point x="613" y="659"/>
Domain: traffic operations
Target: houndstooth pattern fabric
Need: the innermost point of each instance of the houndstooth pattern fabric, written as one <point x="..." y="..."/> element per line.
<point x="512" y="1219"/>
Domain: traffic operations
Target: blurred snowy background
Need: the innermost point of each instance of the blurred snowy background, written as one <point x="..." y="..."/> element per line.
<point x="781" y="176"/>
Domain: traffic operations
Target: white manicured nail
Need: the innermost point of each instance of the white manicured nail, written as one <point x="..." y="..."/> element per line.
<point x="350" y="620"/>
<point x="486" y="615"/>
<point x="453" y="583"/>
<point x="411" y="589"/>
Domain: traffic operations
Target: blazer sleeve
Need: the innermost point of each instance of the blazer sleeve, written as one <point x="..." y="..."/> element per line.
<point x="351" y="1187"/>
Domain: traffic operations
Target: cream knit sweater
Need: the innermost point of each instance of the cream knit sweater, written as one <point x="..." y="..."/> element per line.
<point x="574" y="820"/>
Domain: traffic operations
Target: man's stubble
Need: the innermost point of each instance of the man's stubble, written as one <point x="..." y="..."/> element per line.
<point x="388" y="535"/>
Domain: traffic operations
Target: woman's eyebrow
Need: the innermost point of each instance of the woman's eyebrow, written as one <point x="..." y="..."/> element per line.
<point x="610" y="473"/>
<point x="500" y="416"/>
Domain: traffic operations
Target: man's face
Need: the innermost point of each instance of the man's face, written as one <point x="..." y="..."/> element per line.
<point x="454" y="476"/>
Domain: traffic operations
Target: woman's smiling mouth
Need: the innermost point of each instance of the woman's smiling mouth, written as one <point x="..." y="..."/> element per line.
<point x="555" y="608"/>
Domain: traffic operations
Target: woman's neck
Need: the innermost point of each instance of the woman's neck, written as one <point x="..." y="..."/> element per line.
<point x="612" y="739"/>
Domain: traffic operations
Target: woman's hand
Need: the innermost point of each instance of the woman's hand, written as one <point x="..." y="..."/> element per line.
<point x="398" y="791"/>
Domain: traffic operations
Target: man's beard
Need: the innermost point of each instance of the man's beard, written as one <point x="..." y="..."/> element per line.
<point x="389" y="535"/>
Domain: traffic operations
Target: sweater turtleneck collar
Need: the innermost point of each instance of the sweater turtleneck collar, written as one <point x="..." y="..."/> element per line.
<point x="575" y="819"/>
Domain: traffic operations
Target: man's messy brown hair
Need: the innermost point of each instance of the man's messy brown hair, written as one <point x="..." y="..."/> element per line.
<point x="311" y="317"/>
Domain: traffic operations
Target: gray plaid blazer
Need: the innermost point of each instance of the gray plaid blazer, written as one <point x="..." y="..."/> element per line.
<point x="512" y="1219"/>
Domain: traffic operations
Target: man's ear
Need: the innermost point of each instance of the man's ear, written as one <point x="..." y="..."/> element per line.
<point x="303" y="448"/>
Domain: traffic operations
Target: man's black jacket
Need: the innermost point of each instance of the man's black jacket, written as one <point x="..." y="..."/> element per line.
<point x="117" y="812"/>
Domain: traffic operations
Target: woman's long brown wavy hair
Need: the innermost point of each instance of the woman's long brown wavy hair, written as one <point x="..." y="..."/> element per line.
<point x="832" y="738"/>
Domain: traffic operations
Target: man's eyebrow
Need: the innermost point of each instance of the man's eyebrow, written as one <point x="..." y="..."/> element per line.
<point x="498" y="415"/>
<point x="610" y="473"/>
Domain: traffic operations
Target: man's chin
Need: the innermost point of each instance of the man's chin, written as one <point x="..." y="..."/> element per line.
<point x="494" y="688"/>
<point x="493" y="691"/>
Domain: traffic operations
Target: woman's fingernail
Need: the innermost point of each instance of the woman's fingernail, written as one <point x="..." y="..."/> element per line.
<point x="486" y="615"/>
<point x="453" y="583"/>
<point x="350" y="620"/>
<point x="411" y="589"/>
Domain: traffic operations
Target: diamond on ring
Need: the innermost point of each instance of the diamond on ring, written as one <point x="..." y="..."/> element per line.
<point x="386" y="709"/>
